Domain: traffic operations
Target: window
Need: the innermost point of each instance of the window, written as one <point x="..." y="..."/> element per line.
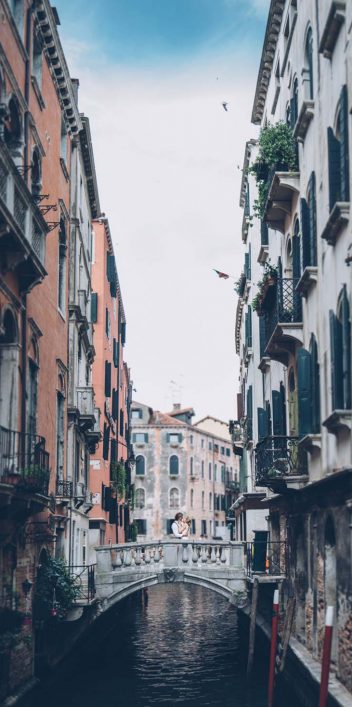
<point x="210" y="501"/>
<point x="60" y="438"/>
<point x="94" y="307"/>
<point x="174" y="498"/>
<point x="141" y="526"/>
<point x="294" y="104"/>
<point x="202" y="443"/>
<point x="62" y="266"/>
<point x="203" y="500"/>
<point x="223" y="451"/>
<point x="106" y="441"/>
<point x="16" y="7"/>
<point x="338" y="154"/>
<point x="36" y="172"/>
<point x="315" y="369"/>
<point x="203" y="528"/>
<point x="136" y="414"/>
<point x="191" y="466"/>
<point x="140" y="499"/>
<point x="223" y="474"/>
<point x="13" y="128"/>
<point x="173" y="465"/>
<point x="309" y="225"/>
<point x="191" y="440"/>
<point x="191" y="498"/>
<point x="32" y="397"/>
<point x="63" y="141"/>
<point x="122" y="423"/>
<point x="37" y="61"/>
<point x="140" y="465"/>
<point x="228" y="452"/>
<point x="210" y="447"/>
<point x="115" y="353"/>
<point x="340" y="351"/>
<point x="174" y="439"/>
<point x="107" y="323"/>
<point x="202" y="468"/>
<point x="215" y="472"/>
<point x="140" y="438"/>
<point x="308" y="60"/>
<point x="107" y="386"/>
<point x="209" y="471"/>
<point x="193" y="526"/>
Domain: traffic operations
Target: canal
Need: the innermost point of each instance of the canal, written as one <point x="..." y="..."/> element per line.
<point x="183" y="646"/>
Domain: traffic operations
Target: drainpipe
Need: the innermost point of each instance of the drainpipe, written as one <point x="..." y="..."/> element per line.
<point x="24" y="296"/>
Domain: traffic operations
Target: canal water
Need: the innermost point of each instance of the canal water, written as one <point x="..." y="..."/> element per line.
<point x="183" y="646"/>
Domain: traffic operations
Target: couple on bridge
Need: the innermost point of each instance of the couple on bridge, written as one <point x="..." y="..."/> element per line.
<point x="180" y="528"/>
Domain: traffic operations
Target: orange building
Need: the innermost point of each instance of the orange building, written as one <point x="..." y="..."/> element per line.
<point x="109" y="466"/>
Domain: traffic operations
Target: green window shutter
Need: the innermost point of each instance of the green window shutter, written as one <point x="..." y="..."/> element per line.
<point x="315" y="373"/>
<point x="133" y="437"/>
<point x="246" y="265"/>
<point x="115" y="404"/>
<point x="167" y="438"/>
<point x="107" y="379"/>
<point x="312" y="221"/>
<point x="180" y="438"/>
<point x="262" y="423"/>
<point x="246" y="328"/>
<point x="113" y="450"/>
<point x="334" y="169"/>
<point x="116" y="353"/>
<point x="107" y="321"/>
<point x="344" y="158"/>
<point x="146" y="437"/>
<point x="336" y="361"/>
<point x="268" y="419"/>
<point x="278" y="422"/>
<point x="264" y="233"/>
<point x="283" y="407"/>
<point x="123" y="333"/>
<point x="296" y="256"/>
<point x="249" y="262"/>
<point x="94" y="307"/>
<point x="249" y="413"/>
<point x="304" y="386"/>
<point x="346" y="350"/>
<point x="246" y="205"/>
<point x="106" y="438"/>
<point x="262" y="336"/>
<point x="305" y="230"/>
<point x="249" y="324"/>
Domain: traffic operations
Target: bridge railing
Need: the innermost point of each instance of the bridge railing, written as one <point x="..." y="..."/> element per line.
<point x="170" y="553"/>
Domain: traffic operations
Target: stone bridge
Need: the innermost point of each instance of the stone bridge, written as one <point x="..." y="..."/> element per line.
<point x="124" y="569"/>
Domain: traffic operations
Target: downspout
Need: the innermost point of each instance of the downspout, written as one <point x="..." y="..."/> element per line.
<point x="26" y="176"/>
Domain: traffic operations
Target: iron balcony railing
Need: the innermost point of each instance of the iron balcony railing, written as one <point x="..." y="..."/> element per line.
<point x="24" y="462"/>
<point x="84" y="579"/>
<point x="64" y="489"/>
<point x="266" y="557"/>
<point x="278" y="457"/>
<point x="283" y="305"/>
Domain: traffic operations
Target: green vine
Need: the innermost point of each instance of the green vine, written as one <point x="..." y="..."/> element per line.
<point x="118" y="478"/>
<point x="269" y="277"/>
<point x="277" y="148"/>
<point x="56" y="589"/>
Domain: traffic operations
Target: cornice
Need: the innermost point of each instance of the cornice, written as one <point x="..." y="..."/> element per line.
<point x="46" y="22"/>
<point x="89" y="166"/>
<point x="267" y="59"/>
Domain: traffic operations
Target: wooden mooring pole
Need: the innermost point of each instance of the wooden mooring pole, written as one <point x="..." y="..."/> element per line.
<point x="287" y="631"/>
<point x="255" y="592"/>
<point x="325" y="665"/>
<point x="274" y="627"/>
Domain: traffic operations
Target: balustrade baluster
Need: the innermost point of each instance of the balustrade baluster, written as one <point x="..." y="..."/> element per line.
<point x="138" y="559"/>
<point x="223" y="557"/>
<point x="147" y="557"/>
<point x="157" y="554"/>
<point x="133" y="557"/>
<point x="204" y="554"/>
<point x="194" y="554"/>
<point x="213" y="554"/>
<point x="118" y="561"/>
<point x="217" y="555"/>
<point x="185" y="554"/>
<point x="127" y="558"/>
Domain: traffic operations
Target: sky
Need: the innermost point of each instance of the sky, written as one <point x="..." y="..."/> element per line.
<point x="153" y="76"/>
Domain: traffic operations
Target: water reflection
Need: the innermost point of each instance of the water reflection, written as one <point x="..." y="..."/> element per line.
<point x="182" y="647"/>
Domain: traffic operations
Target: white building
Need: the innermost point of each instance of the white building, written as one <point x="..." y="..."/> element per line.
<point x="296" y="356"/>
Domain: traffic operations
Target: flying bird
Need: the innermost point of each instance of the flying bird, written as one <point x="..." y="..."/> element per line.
<point x="224" y="105"/>
<point x="223" y="275"/>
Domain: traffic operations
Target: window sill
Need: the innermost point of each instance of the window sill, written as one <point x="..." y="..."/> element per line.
<point x="64" y="169"/>
<point x="264" y="364"/>
<point x="306" y="114"/>
<point x="310" y="442"/>
<point x="173" y="476"/>
<point x="263" y="254"/>
<point x="38" y="92"/>
<point x="308" y="279"/>
<point x="338" y="218"/>
<point x="338" y="420"/>
<point x="334" y="22"/>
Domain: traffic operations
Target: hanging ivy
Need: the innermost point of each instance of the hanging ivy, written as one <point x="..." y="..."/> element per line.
<point x="118" y="478"/>
<point x="56" y="588"/>
<point x="277" y="150"/>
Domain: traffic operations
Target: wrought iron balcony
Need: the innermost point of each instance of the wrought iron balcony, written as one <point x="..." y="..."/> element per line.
<point x="84" y="578"/>
<point x="24" y="462"/>
<point x="277" y="459"/>
<point x="64" y="489"/>
<point x="22" y="227"/>
<point x="266" y="557"/>
<point x="282" y="312"/>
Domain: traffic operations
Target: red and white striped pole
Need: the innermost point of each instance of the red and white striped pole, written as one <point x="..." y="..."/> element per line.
<point x="274" y="627"/>
<point x="325" y="665"/>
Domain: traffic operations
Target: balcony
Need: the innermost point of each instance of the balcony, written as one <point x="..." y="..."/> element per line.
<point x="93" y="435"/>
<point x="85" y="407"/>
<point x="266" y="559"/>
<point x="283" y="186"/>
<point x="24" y="463"/>
<point x="22" y="227"/>
<point x="280" y="463"/>
<point x="282" y="312"/>
<point x="64" y="489"/>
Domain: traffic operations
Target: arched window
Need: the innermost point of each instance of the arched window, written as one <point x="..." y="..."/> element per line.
<point x="8" y="328"/>
<point x="174" y="498"/>
<point x="140" y="498"/>
<point x="191" y="466"/>
<point x="13" y="127"/>
<point x="309" y="225"/>
<point x="140" y="465"/>
<point x="338" y="153"/>
<point x="308" y="58"/>
<point x="340" y="345"/>
<point x="173" y="465"/>
<point x="9" y="369"/>
<point x="62" y="265"/>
